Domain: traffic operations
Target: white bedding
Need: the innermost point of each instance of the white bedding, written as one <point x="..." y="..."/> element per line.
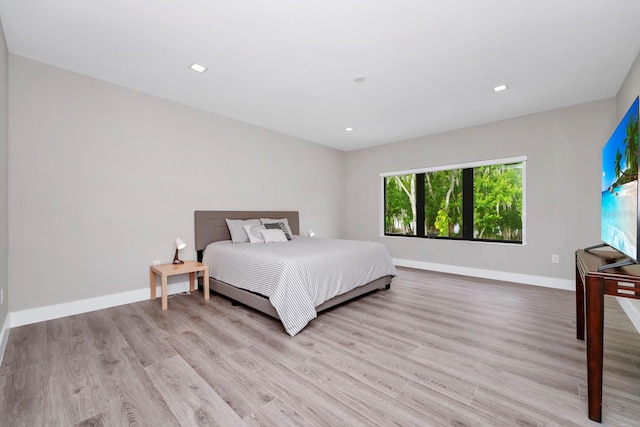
<point x="300" y="274"/>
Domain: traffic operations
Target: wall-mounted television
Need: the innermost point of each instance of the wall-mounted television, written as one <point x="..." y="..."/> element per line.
<point x="619" y="226"/>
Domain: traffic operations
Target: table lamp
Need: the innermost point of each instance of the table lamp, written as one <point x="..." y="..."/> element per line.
<point x="179" y="245"/>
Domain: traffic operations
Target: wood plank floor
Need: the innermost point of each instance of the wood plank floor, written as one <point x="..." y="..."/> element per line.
<point x="434" y="350"/>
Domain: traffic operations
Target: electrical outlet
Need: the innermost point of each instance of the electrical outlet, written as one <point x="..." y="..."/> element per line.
<point x="555" y="258"/>
<point x="156" y="262"/>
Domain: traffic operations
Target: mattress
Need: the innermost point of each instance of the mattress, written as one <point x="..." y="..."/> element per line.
<point x="298" y="275"/>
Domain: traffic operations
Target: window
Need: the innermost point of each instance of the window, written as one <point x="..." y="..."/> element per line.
<point x="400" y="204"/>
<point x="443" y="203"/>
<point x="481" y="201"/>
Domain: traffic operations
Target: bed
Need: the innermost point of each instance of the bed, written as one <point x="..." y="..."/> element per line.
<point x="285" y="300"/>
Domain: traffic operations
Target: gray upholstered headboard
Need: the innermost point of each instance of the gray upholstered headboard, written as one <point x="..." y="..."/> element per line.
<point x="210" y="226"/>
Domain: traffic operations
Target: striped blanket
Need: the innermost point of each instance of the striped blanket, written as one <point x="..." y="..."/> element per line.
<point x="298" y="275"/>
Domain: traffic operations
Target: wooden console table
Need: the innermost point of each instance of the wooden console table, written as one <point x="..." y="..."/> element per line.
<point x="591" y="287"/>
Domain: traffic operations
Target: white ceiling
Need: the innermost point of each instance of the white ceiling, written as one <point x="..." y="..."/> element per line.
<point x="288" y="65"/>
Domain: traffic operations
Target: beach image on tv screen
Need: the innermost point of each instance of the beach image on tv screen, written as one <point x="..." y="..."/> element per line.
<point x="619" y="224"/>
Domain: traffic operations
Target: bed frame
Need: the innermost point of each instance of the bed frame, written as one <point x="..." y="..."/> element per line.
<point x="210" y="226"/>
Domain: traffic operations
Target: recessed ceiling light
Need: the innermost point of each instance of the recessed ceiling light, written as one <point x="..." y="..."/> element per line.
<point x="500" y="88"/>
<point x="359" y="79"/>
<point x="197" y="67"/>
<point x="348" y="129"/>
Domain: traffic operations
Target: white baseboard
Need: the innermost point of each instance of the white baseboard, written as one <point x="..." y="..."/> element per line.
<point x="41" y="314"/>
<point x="632" y="308"/>
<point x="4" y="335"/>
<point x="547" y="282"/>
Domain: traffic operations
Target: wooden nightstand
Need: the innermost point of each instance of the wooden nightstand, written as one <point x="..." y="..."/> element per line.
<point x="166" y="270"/>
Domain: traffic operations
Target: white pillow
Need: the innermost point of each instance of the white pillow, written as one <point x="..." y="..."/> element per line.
<point x="283" y="220"/>
<point x="273" y="235"/>
<point x="237" y="231"/>
<point x="280" y="226"/>
<point x="255" y="233"/>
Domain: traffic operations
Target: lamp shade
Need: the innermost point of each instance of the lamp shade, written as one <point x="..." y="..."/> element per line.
<point x="180" y="244"/>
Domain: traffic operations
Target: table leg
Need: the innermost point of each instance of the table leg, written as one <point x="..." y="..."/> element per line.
<point x="579" y="306"/>
<point x="192" y="275"/>
<point x="594" y="290"/>
<point x="205" y="282"/>
<point x="152" y="284"/>
<point x="164" y="292"/>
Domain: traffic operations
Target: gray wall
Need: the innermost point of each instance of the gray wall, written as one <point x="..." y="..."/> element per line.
<point x="629" y="90"/>
<point x="4" y="174"/>
<point x="562" y="188"/>
<point x="103" y="179"/>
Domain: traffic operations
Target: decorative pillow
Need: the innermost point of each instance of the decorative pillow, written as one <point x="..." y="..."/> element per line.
<point x="273" y="235"/>
<point x="255" y="233"/>
<point x="285" y="221"/>
<point x="238" y="233"/>
<point x="278" y="226"/>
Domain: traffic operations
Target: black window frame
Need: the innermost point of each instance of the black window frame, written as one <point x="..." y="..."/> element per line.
<point x="467" y="202"/>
